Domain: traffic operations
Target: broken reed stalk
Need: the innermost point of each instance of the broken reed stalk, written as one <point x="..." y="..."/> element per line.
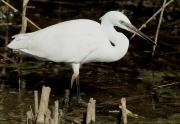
<point x="90" y="117"/>
<point x="15" y="10"/>
<point x="56" y="111"/>
<point x="144" y="25"/>
<point x="32" y="113"/>
<point x="35" y="103"/>
<point x="6" y="42"/>
<point x="24" y="22"/>
<point x="159" y="24"/>
<point x="51" y="121"/>
<point x="43" y="106"/>
<point x="48" y="117"/>
<point x="124" y="115"/>
<point x="29" y="117"/>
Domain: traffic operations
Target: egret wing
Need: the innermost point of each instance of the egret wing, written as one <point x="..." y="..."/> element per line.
<point x="70" y="41"/>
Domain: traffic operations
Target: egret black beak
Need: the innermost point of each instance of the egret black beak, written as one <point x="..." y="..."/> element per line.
<point x="138" y="32"/>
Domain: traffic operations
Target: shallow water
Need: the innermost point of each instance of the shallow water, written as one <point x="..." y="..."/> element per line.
<point x="151" y="88"/>
<point x="99" y="81"/>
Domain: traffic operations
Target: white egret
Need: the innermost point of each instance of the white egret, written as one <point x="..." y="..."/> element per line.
<point x="79" y="41"/>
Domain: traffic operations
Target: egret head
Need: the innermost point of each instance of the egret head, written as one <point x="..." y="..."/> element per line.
<point x="120" y="20"/>
<point x="116" y="18"/>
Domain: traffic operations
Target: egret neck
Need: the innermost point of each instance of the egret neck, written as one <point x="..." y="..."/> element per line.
<point x="120" y="41"/>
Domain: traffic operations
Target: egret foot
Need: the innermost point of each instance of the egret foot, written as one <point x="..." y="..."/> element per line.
<point x="81" y="101"/>
<point x="84" y="103"/>
<point x="75" y="76"/>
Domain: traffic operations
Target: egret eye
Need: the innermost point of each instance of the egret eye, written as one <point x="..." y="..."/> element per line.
<point x="122" y="22"/>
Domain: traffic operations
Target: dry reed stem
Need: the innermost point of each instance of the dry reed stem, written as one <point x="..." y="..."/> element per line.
<point x="124" y="115"/>
<point x="29" y="117"/>
<point x="24" y="21"/>
<point x="15" y="10"/>
<point x="60" y="2"/>
<point x="3" y="37"/>
<point x="32" y="114"/>
<point x="48" y="117"/>
<point x="51" y="121"/>
<point x="56" y="111"/>
<point x="5" y="24"/>
<point x="144" y="25"/>
<point x="159" y="24"/>
<point x="43" y="106"/>
<point x="91" y="111"/>
<point x="35" y="103"/>
<point x="3" y="71"/>
<point x="88" y="116"/>
<point x="7" y="33"/>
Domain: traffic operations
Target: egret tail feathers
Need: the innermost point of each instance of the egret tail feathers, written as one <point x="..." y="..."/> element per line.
<point x="20" y="41"/>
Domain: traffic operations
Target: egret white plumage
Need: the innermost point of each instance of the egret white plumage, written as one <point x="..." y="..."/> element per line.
<point x="79" y="41"/>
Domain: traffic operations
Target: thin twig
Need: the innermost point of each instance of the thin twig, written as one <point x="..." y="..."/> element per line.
<point x="159" y="24"/>
<point x="165" y="85"/>
<point x="5" y="24"/>
<point x="15" y="10"/>
<point x="144" y="25"/>
<point x="7" y="31"/>
<point x="7" y="58"/>
<point x="59" y="2"/>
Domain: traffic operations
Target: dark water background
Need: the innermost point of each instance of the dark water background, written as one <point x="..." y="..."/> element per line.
<point x="151" y="87"/>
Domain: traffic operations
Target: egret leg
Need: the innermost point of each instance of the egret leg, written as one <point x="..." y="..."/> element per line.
<point x="75" y="76"/>
<point x="80" y="100"/>
<point x="78" y="89"/>
<point x="84" y="103"/>
<point x="75" y="68"/>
